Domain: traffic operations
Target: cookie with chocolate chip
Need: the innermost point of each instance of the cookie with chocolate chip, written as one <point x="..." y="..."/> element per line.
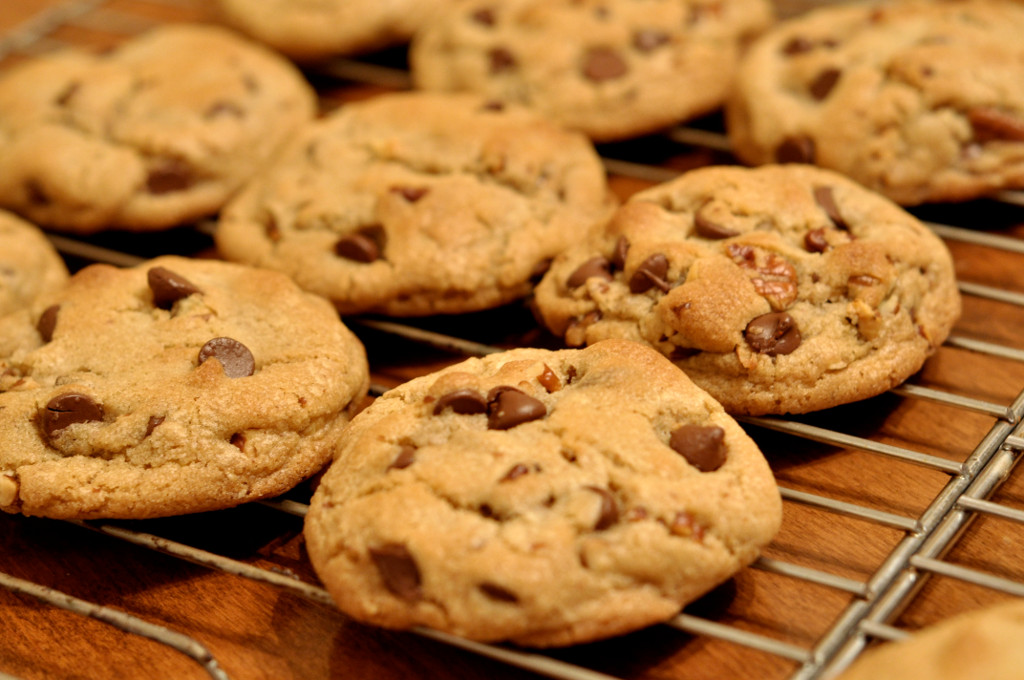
<point x="542" y="497"/>
<point x="452" y="208"/>
<point x="30" y="266"/>
<point x="153" y="134"/>
<point x="613" y="69"/>
<point x="173" y="387"/>
<point x="313" y="30"/>
<point x="919" y="101"/>
<point x="779" y="289"/>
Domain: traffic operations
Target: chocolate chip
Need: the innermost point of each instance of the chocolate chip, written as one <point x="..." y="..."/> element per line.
<point x="465" y="401"/>
<point x="823" y="83"/>
<point x="991" y="123"/>
<point x="773" y="333"/>
<point x="235" y="357"/>
<point x="238" y="441"/>
<point x="508" y="407"/>
<point x="603" y="63"/>
<point x="365" y="245"/>
<point x="620" y="252"/>
<point x="825" y="198"/>
<point x="411" y="194"/>
<point x="799" y="149"/>
<point x="169" y="175"/>
<point x="650" y="273"/>
<point x="598" y="266"/>
<point x="609" y="513"/>
<point x="168" y="287"/>
<point x="152" y="424"/>
<point x="483" y="15"/>
<point x="35" y="194"/>
<point x="797" y="45"/>
<point x="517" y="470"/>
<point x="501" y="59"/>
<point x="496" y="592"/>
<point x="549" y="380"/>
<point x="493" y="106"/>
<point x="814" y="241"/>
<point x="703" y="447"/>
<point x="398" y="570"/>
<point x="710" y="229"/>
<point x="406" y="457"/>
<point x="68" y="409"/>
<point x="69" y="91"/>
<point x="47" y="322"/>
<point x="650" y="39"/>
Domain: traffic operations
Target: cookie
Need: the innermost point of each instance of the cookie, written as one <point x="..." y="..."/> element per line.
<point x="30" y="266"/>
<point x="310" y="30"/>
<point x="780" y="289"/>
<point x="984" y="643"/>
<point x="156" y="133"/>
<point x="173" y="387"/>
<point x="919" y="101"/>
<point x="613" y="69"/>
<point x="542" y="497"/>
<point x="419" y="203"/>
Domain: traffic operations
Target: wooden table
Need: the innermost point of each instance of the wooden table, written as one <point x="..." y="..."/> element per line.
<point x="885" y="524"/>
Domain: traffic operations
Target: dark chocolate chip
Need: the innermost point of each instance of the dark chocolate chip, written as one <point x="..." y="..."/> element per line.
<point x="814" y="241"/>
<point x="398" y="570"/>
<point x="152" y="424"/>
<point x="406" y="457"/>
<point x="68" y="409"/>
<point x="168" y="287"/>
<point x="609" y="513"/>
<point x="702" y="446"/>
<point x="362" y="246"/>
<point x="501" y="59"/>
<point x="238" y="441"/>
<point x="517" y="470"/>
<point x="823" y="83"/>
<point x="47" y="322"/>
<point x="773" y="333"/>
<point x="598" y="266"/>
<point x="603" y="63"/>
<point x="169" y="175"/>
<point x="710" y="229"/>
<point x="411" y="194"/>
<point x="465" y="401"/>
<point x="508" y="407"/>
<point x="650" y="39"/>
<point x="799" y="149"/>
<point x="824" y="197"/>
<point x="650" y="273"/>
<point x="496" y="592"/>
<point x="235" y="357"/>
<point x="620" y="252"/>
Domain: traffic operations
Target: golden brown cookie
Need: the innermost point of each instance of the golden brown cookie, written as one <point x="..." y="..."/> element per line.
<point x="30" y="266"/>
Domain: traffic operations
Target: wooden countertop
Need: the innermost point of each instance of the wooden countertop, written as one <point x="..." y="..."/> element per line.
<point x="879" y="495"/>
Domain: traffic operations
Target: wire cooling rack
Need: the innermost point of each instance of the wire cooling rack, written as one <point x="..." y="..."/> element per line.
<point x="929" y="545"/>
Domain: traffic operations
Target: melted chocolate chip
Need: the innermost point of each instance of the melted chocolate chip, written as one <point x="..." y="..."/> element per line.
<point x="238" y="441"/>
<point x="814" y="241"/>
<point x="823" y="83"/>
<point x="703" y="447"/>
<point x="517" y="470"/>
<point x="650" y="39"/>
<point x="650" y="273"/>
<point x="465" y="401"/>
<point x="619" y="254"/>
<point x="773" y="334"/>
<point x="825" y="198"/>
<point x="69" y="409"/>
<point x="235" y="357"/>
<point x="169" y="175"/>
<point x="501" y="59"/>
<point x="598" y="266"/>
<point x="152" y="424"/>
<point x="406" y="457"/>
<point x="603" y="63"/>
<point x="508" y="407"/>
<point x="796" y="150"/>
<point x="609" y="513"/>
<point x="168" y="287"/>
<point x="496" y="592"/>
<point x="365" y="245"/>
<point x="710" y="229"/>
<point x="47" y="322"/>
<point x="398" y="570"/>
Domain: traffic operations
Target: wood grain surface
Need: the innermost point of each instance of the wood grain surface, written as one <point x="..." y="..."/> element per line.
<point x="256" y="630"/>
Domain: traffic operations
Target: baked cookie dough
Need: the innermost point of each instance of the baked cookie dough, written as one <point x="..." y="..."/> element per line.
<point x="419" y="203"/>
<point x="613" y="69"/>
<point x="546" y="498"/>
<point x="309" y="30"/>
<point x="780" y="289"/>
<point x="920" y="101"/>
<point x="30" y="266"/>
<point x="984" y="643"/>
<point x="156" y="133"/>
<point x="173" y="387"/>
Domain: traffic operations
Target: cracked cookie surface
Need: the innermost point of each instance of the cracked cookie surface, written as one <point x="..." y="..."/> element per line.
<point x="155" y="133"/>
<point x="920" y="101"/>
<point x="30" y="266"/>
<point x="452" y="209"/>
<point x="542" y="497"/>
<point x="779" y="289"/>
<point x="612" y="69"/>
<point x="176" y="386"/>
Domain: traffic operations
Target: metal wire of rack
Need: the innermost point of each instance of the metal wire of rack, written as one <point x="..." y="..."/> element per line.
<point x="926" y="538"/>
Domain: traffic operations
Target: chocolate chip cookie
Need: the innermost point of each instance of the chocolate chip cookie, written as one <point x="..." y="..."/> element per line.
<point x="780" y="289"/>
<point x="542" y="497"/>
<point x="156" y="133"/>
<point x="308" y="30"/>
<point x="920" y="101"/>
<point x="613" y="69"/>
<point x="419" y="203"/>
<point x="30" y="266"/>
<point x="173" y="387"/>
